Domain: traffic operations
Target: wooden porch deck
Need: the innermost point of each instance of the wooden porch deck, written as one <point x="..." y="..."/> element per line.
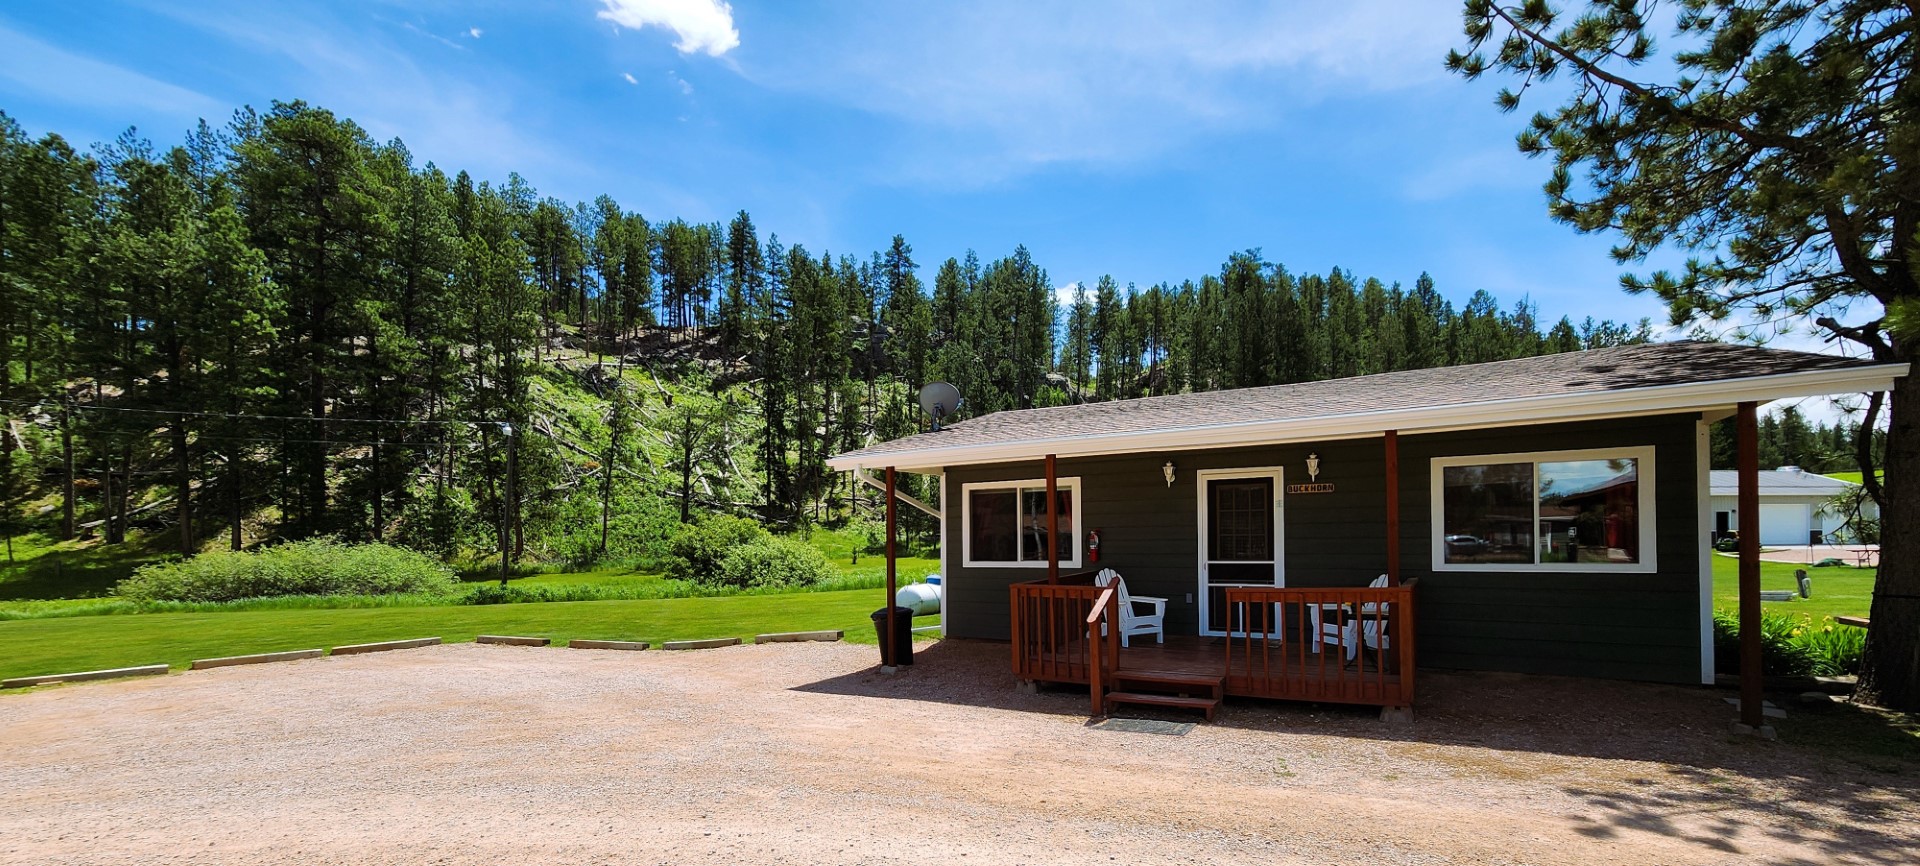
<point x="1256" y="664"/>
<point x="1298" y="648"/>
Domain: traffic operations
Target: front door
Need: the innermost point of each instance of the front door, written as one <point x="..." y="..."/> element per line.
<point x="1240" y="539"/>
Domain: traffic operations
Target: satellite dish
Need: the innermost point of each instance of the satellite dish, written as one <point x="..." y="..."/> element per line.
<point x="939" y="400"/>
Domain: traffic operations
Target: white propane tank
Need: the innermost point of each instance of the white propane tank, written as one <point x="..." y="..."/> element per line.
<point x="922" y="598"/>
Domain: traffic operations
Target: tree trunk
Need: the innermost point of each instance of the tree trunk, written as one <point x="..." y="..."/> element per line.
<point x="66" y="479"/>
<point x="1890" y="673"/>
<point x="233" y="500"/>
<point x="686" y="469"/>
<point x="184" y="481"/>
<point x="379" y="516"/>
<point x="106" y="501"/>
<point x="606" y="484"/>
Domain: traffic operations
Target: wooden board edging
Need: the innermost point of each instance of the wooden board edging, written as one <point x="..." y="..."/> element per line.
<point x="630" y="645"/>
<point x="510" y="640"/>
<point x="798" y="636"/>
<point x="383" y="646"/>
<point x="256" y="659"/>
<point x="710" y="643"/>
<point x="83" y="676"/>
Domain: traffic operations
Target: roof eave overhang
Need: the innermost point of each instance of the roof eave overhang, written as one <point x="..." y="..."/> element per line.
<point x="1459" y="416"/>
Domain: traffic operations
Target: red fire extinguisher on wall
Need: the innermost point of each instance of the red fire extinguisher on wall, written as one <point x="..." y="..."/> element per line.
<point x="1093" y="545"/>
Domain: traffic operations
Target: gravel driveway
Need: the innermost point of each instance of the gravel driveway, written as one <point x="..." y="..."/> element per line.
<point x="803" y="754"/>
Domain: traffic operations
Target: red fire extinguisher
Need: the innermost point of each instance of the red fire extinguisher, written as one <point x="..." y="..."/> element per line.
<point x="1093" y="545"/>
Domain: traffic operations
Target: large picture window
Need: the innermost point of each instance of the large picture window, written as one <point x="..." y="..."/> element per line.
<point x="1547" y="511"/>
<point x="1006" y="523"/>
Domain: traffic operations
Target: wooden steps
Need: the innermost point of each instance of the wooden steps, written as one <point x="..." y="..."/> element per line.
<point x="1178" y="689"/>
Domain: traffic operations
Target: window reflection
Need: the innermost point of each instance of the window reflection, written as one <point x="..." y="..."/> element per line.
<point x="992" y="525"/>
<point x="1033" y="507"/>
<point x="1487" y="513"/>
<point x="1589" y="511"/>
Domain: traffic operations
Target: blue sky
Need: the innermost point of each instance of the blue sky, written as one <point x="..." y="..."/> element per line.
<point x="1145" y="141"/>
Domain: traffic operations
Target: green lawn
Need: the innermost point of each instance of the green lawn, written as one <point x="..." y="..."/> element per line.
<point x="43" y="568"/>
<point x="1843" y="591"/>
<point x="43" y="646"/>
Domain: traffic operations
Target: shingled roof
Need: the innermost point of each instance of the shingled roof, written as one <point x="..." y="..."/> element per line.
<point x="1784" y="481"/>
<point x="1621" y="380"/>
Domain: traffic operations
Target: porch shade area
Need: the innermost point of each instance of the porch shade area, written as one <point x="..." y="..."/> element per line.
<point x="1634" y="624"/>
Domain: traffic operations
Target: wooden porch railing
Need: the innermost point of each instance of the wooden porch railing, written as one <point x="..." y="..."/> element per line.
<point x="1337" y="645"/>
<point x="1054" y="628"/>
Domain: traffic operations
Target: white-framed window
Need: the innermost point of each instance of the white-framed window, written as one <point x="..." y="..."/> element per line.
<point x="1003" y="524"/>
<point x="1545" y="511"/>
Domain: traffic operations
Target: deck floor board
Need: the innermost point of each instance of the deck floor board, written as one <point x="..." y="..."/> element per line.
<point x="1307" y="675"/>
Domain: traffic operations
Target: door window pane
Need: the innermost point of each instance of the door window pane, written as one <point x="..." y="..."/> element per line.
<point x="1487" y="512"/>
<point x="1240" y="520"/>
<point x="1260" y="573"/>
<point x="993" y="525"/>
<point x="1589" y="511"/>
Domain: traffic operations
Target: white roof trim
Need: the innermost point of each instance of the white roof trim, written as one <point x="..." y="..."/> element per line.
<point x="1488" y="413"/>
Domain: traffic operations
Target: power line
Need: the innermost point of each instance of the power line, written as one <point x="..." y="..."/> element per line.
<point x="186" y="413"/>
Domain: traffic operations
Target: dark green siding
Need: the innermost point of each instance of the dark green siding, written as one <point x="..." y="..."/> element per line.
<point x="1633" y="626"/>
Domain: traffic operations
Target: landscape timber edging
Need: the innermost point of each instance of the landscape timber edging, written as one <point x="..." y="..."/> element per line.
<point x="383" y="646"/>
<point x="256" y="659"/>
<point x="797" y="636"/>
<point x="710" y="643"/>
<point x="83" y="676"/>
<point x="631" y="645"/>
<point x="509" y="640"/>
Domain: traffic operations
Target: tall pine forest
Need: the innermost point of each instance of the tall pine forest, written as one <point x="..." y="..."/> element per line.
<point x="282" y="328"/>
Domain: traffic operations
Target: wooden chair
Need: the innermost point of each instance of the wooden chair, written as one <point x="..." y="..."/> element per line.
<point x="1132" y="622"/>
<point x="1349" y="630"/>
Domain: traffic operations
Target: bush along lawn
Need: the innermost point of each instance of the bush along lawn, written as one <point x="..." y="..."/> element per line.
<point x="66" y="644"/>
<point x="1791" y="646"/>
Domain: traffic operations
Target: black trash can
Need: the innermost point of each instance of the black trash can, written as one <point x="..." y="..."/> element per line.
<point x="902" y="650"/>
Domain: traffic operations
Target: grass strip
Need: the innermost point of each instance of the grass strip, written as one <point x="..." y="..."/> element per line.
<point x="40" y="646"/>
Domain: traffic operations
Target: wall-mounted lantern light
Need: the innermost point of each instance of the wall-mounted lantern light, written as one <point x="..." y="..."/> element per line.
<point x="1167" y="470"/>
<point x="1313" y="466"/>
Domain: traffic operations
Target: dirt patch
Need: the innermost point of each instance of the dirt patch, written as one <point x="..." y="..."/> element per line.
<point x="803" y="753"/>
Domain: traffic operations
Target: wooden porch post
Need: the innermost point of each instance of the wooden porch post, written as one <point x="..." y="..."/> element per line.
<point x="1393" y="508"/>
<point x="893" y="624"/>
<point x="1748" y="438"/>
<point x="1053" y="525"/>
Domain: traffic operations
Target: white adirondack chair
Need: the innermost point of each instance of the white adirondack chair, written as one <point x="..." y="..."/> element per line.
<point x="1350" y="632"/>
<point x="1132" y="622"/>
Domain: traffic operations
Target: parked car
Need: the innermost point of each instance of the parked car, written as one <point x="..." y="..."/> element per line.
<point x="1465" y="545"/>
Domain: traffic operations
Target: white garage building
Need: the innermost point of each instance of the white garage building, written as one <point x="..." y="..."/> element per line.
<point x="1792" y="505"/>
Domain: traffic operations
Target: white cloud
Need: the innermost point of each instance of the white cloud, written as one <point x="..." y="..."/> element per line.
<point x="459" y="121"/>
<point x="629" y="77"/>
<point x="1064" y="294"/>
<point x="686" y="87"/>
<point x="72" y="79"/>
<point x="996" y="88"/>
<point x="701" y="25"/>
<point x="474" y="32"/>
<point x="1497" y="168"/>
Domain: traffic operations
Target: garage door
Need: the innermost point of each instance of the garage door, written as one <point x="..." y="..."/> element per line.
<point x="1783" y="524"/>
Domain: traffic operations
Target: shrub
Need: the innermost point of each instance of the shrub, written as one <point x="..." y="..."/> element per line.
<point x="1836" y="648"/>
<point x="696" y="551"/>
<point x="1791" y="646"/>
<point x="317" y="567"/>
<point x="772" y="562"/>
<point x="1780" y="654"/>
